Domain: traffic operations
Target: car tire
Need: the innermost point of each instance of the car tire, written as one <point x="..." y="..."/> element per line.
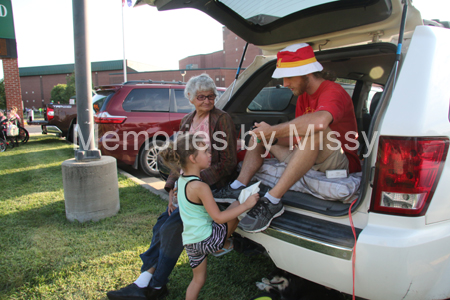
<point x="69" y="136"/>
<point x="148" y="158"/>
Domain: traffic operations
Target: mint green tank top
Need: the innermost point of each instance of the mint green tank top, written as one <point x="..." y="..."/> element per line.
<point x="197" y="223"/>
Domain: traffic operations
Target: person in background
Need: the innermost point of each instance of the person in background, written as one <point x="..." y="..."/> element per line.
<point x="2" y="116"/>
<point x="15" y="116"/>
<point x="12" y="120"/>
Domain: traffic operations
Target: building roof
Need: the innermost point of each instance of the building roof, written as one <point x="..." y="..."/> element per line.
<point x="112" y="65"/>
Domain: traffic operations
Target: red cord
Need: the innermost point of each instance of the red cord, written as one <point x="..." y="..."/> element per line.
<point x="354" y="247"/>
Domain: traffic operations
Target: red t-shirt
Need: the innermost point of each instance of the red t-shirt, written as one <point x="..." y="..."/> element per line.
<point x="331" y="97"/>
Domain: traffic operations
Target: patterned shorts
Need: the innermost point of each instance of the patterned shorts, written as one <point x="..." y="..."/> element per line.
<point x="197" y="252"/>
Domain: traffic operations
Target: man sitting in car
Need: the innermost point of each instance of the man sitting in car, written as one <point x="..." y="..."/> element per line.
<point x="324" y="116"/>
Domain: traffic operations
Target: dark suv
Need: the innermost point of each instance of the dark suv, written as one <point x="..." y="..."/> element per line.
<point x="132" y="113"/>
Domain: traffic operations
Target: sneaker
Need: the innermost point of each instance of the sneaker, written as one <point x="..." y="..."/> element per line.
<point x="260" y="216"/>
<point x="154" y="294"/>
<point x="131" y="291"/>
<point x="227" y="194"/>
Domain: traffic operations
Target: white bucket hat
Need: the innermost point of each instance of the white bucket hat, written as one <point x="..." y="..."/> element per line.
<point x="296" y="60"/>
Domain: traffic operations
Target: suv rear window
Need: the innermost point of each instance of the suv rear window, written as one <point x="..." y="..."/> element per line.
<point x="271" y="98"/>
<point x="263" y="12"/>
<point x="146" y="100"/>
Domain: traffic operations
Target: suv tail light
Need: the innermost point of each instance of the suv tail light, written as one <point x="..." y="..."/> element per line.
<point x="407" y="172"/>
<point x="105" y="118"/>
<point x="50" y="113"/>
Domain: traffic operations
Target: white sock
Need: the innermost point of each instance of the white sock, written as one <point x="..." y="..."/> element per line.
<point x="143" y="279"/>
<point x="272" y="198"/>
<point x="236" y="184"/>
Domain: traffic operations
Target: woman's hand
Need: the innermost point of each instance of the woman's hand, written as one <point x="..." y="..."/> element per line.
<point x="172" y="195"/>
<point x="251" y="201"/>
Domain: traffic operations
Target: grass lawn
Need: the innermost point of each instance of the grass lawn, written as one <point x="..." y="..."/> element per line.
<point x="44" y="256"/>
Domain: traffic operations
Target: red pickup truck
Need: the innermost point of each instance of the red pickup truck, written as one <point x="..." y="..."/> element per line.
<point x="61" y="119"/>
<point x="58" y="119"/>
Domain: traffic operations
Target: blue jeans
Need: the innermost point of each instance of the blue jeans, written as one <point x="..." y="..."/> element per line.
<point x="165" y="248"/>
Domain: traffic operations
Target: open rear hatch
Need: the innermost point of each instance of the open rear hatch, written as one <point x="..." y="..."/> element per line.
<point x="272" y="24"/>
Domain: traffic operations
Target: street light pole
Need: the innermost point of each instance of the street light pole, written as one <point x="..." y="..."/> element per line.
<point x="91" y="189"/>
<point x="83" y="83"/>
<point x="123" y="42"/>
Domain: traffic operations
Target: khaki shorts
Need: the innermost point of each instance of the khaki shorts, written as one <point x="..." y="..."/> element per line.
<point x="336" y="161"/>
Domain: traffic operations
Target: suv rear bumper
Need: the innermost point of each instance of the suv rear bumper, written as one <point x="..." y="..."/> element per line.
<point x="391" y="262"/>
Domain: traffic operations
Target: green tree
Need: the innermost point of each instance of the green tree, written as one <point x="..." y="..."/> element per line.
<point x="2" y="94"/>
<point x="58" y="94"/>
<point x="62" y="92"/>
<point x="70" y="89"/>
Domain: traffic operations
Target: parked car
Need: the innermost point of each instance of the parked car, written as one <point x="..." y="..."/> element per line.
<point x="132" y="113"/>
<point x="398" y="230"/>
<point x="61" y="119"/>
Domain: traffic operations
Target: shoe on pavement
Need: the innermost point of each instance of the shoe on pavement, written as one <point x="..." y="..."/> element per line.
<point x="227" y="194"/>
<point x="260" y="216"/>
<point x="130" y="292"/>
<point x="154" y="294"/>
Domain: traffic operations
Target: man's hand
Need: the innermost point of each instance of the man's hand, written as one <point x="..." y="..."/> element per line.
<point x="172" y="195"/>
<point x="262" y="129"/>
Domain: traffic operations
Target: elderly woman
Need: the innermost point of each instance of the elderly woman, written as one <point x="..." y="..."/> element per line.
<point x="166" y="246"/>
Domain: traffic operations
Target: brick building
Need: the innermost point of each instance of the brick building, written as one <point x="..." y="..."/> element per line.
<point x="37" y="82"/>
<point x="12" y="84"/>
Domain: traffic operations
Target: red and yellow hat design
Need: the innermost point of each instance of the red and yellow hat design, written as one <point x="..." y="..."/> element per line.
<point x="296" y="60"/>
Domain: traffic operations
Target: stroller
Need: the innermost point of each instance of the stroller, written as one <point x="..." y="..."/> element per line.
<point x="5" y="139"/>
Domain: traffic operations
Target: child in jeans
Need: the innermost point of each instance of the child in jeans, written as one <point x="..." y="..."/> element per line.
<point x="206" y="229"/>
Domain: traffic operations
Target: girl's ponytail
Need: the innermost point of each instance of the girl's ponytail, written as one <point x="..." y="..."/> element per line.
<point x="171" y="158"/>
<point x="177" y="153"/>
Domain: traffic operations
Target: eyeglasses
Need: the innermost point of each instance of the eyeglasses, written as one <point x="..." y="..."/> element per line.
<point x="203" y="97"/>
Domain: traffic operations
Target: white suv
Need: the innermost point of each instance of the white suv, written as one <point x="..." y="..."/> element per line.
<point x="402" y="215"/>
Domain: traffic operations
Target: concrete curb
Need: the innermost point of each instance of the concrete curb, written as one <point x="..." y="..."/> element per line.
<point x="156" y="187"/>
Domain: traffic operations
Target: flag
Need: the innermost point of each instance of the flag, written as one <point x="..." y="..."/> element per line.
<point x="129" y="3"/>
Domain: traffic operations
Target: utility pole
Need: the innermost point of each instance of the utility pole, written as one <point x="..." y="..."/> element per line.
<point x="91" y="190"/>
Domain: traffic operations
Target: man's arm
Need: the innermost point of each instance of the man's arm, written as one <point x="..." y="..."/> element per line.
<point x="320" y="121"/>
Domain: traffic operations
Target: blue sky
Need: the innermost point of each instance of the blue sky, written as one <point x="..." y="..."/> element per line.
<point x="44" y="32"/>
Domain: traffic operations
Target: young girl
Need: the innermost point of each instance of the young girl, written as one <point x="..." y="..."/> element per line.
<point x="206" y="228"/>
<point x="14" y="115"/>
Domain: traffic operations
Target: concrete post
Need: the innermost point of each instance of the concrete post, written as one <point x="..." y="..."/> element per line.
<point x="91" y="189"/>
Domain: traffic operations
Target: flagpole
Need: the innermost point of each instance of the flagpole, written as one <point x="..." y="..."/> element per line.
<point x="123" y="41"/>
